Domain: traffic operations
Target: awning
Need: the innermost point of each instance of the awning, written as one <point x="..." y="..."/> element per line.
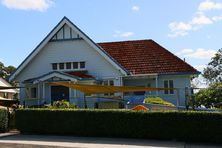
<point x="101" y="89"/>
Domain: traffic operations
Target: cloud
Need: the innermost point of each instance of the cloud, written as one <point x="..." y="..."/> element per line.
<point x="217" y="18"/>
<point x="179" y="29"/>
<point x="199" y="53"/>
<point x="123" y="34"/>
<point x="201" y="19"/>
<point x="135" y="8"/>
<point x="37" y="5"/>
<point x="209" y="5"/>
<point x="200" y="67"/>
<point x="198" y="21"/>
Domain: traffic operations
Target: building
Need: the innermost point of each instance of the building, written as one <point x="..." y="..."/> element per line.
<point x="68" y="54"/>
<point x="6" y="93"/>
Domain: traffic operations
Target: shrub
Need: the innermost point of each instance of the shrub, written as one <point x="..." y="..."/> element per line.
<point x="157" y="100"/>
<point x="3" y="120"/>
<point x="186" y="126"/>
<point x="11" y="124"/>
<point x="61" y="104"/>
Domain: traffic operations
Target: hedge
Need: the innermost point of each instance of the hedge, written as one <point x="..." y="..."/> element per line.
<point x="185" y="126"/>
<point x="3" y="120"/>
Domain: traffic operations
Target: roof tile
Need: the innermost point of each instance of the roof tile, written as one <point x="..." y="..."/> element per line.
<point x="145" y="57"/>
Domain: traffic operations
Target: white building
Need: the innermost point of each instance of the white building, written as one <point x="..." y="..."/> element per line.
<point x="68" y="54"/>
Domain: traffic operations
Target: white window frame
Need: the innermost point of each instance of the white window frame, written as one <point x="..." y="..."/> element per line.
<point x="65" y="66"/>
<point x="168" y="86"/>
<point x="108" y="80"/>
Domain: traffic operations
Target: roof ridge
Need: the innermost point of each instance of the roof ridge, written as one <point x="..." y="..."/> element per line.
<point x="125" y="41"/>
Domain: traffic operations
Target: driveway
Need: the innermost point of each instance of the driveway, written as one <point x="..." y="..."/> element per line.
<point x="43" y="141"/>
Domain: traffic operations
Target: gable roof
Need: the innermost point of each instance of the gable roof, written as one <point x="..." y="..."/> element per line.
<point x="64" y="21"/>
<point x="146" y="57"/>
<point x="4" y="83"/>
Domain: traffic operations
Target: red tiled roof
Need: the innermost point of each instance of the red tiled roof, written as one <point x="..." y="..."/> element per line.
<point x="81" y="74"/>
<point x="146" y="57"/>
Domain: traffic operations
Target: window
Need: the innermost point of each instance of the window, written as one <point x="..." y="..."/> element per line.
<point x="108" y="83"/>
<point x="33" y="92"/>
<point x="54" y="66"/>
<point x="82" y="65"/>
<point x="111" y="82"/>
<point x="68" y="65"/>
<point x="149" y="92"/>
<point x="168" y="84"/>
<point x="61" y="65"/>
<point x="75" y="65"/>
<point x="5" y="95"/>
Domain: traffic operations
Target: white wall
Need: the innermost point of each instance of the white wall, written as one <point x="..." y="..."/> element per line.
<point x="180" y="82"/>
<point x="68" y="51"/>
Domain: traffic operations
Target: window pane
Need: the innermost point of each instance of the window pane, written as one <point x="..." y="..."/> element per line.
<point x="54" y="66"/>
<point x="33" y="92"/>
<point x="61" y="65"/>
<point x="68" y="65"/>
<point x="111" y="82"/>
<point x="166" y="86"/>
<point x="171" y="86"/>
<point x="75" y="65"/>
<point x="105" y="82"/>
<point x="82" y="64"/>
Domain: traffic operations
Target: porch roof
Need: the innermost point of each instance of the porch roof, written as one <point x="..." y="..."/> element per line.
<point x="57" y="74"/>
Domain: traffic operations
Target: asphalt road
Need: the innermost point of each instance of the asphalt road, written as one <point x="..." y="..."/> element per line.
<point x="43" y="141"/>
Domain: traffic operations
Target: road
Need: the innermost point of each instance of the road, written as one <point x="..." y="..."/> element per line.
<point x="43" y="141"/>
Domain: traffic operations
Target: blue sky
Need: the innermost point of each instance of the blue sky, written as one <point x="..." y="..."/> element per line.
<point x="190" y="29"/>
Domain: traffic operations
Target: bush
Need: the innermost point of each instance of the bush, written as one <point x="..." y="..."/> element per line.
<point x="157" y="100"/>
<point x="3" y="120"/>
<point x="186" y="126"/>
<point x="11" y="124"/>
<point x="61" y="104"/>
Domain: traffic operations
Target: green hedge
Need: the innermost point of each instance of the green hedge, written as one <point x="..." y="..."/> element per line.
<point x="3" y="120"/>
<point x="185" y="126"/>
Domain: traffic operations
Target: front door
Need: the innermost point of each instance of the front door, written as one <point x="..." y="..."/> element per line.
<point x="59" y="93"/>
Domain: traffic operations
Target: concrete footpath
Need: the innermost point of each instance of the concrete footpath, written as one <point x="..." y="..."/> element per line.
<point x="43" y="141"/>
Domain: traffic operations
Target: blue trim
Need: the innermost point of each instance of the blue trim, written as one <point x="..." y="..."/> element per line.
<point x="72" y="39"/>
<point x="180" y="73"/>
<point x="70" y="31"/>
<point x="63" y="31"/>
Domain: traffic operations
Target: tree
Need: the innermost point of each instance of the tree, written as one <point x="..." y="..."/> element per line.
<point x="213" y="72"/>
<point x="6" y="71"/>
<point x="9" y="70"/>
<point x="210" y="97"/>
<point x="3" y="73"/>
